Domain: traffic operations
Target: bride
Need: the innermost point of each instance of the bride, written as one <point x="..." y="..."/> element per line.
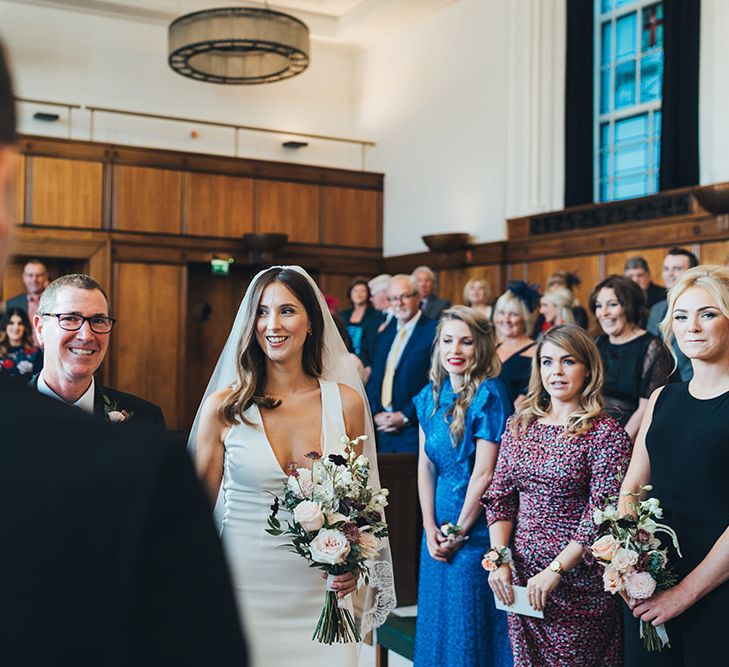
<point x="283" y="386"/>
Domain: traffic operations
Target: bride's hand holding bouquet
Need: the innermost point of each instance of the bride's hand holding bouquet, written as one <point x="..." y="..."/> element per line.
<point x="337" y="521"/>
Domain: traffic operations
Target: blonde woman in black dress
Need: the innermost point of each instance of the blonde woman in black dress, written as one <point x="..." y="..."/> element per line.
<point x="682" y="450"/>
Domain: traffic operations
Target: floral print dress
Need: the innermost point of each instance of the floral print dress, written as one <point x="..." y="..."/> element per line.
<point x="549" y="485"/>
<point x="21" y="362"/>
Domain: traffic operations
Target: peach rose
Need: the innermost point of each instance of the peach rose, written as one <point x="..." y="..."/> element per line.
<point x="604" y="549"/>
<point x="490" y="558"/>
<point x="612" y="580"/>
<point x="640" y="585"/>
<point x="369" y="545"/>
<point x="309" y="514"/>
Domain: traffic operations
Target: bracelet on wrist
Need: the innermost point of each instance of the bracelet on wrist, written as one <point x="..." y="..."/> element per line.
<point x="453" y="532"/>
<point x="495" y="557"/>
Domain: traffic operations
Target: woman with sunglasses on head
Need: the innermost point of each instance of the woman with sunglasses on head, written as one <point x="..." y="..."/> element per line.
<point x="560" y="459"/>
<point x="462" y="412"/>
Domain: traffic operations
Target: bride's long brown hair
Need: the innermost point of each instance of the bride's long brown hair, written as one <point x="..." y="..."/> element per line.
<point x="249" y="388"/>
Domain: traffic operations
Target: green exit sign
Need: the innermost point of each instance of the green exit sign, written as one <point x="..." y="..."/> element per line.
<point x="221" y="267"/>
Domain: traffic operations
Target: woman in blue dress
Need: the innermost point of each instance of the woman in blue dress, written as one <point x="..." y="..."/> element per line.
<point x="462" y="414"/>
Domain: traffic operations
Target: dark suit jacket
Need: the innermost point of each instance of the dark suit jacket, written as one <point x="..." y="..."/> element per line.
<point x="141" y="413"/>
<point x="411" y="375"/>
<point x="435" y="306"/>
<point x="18" y="301"/>
<point x="109" y="554"/>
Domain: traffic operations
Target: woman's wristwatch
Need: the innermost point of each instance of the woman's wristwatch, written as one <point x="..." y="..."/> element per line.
<point x="556" y="567"/>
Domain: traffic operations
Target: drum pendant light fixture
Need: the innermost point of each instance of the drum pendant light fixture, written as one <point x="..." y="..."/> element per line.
<point x="238" y="45"/>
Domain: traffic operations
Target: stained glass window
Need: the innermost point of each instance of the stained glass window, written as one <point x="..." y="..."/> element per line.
<point x="628" y="83"/>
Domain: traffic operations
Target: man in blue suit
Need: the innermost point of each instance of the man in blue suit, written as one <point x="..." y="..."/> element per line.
<point x="400" y="368"/>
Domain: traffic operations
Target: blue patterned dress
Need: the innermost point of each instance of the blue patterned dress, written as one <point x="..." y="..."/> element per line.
<point x="458" y="625"/>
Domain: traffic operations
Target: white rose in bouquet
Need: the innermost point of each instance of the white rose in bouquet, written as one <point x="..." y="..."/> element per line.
<point x="301" y="484"/>
<point x="25" y="367"/>
<point x="324" y="491"/>
<point x="329" y="546"/>
<point x="343" y="480"/>
<point x="624" y="559"/>
<point x="309" y="514"/>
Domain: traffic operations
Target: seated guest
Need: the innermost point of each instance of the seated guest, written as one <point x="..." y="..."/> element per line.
<point x="560" y="459"/>
<point x="110" y="556"/>
<point x="570" y="281"/>
<point x="400" y="368"/>
<point x="675" y="263"/>
<point x="556" y="308"/>
<point x="637" y="270"/>
<point x="361" y="321"/>
<point x="636" y="362"/>
<point x="682" y="451"/>
<point x="514" y="317"/>
<point x="35" y="279"/>
<point x="477" y="295"/>
<point x="73" y="324"/>
<point x="462" y="412"/>
<point x="430" y="304"/>
<point x="19" y="355"/>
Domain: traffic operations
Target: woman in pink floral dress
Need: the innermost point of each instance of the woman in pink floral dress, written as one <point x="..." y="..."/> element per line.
<point x="560" y="459"/>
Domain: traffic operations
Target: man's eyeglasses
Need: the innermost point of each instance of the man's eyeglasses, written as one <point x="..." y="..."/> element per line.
<point x="401" y="297"/>
<point x="72" y="322"/>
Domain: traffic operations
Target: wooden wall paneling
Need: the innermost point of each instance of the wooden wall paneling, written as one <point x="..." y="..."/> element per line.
<point x="19" y="213"/>
<point x="337" y="286"/>
<point x="217" y="205"/>
<point x="516" y="271"/>
<point x="66" y="193"/>
<point x="615" y="261"/>
<point x="714" y="253"/>
<point x="148" y="341"/>
<point x="147" y="200"/>
<point x="352" y="217"/>
<point x="212" y="304"/>
<point x="289" y="208"/>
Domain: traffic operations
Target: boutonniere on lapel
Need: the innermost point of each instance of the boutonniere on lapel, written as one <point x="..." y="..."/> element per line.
<point x="114" y="413"/>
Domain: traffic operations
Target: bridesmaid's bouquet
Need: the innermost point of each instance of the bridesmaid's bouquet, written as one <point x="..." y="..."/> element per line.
<point x="633" y="558"/>
<point x="337" y="521"/>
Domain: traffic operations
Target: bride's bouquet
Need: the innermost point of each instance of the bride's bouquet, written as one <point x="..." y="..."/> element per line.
<point x="633" y="558"/>
<point x="336" y="523"/>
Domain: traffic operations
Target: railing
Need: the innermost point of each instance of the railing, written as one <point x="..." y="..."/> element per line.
<point x="93" y="111"/>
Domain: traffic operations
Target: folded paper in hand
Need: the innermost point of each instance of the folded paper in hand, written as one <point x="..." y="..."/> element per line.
<point x="520" y="605"/>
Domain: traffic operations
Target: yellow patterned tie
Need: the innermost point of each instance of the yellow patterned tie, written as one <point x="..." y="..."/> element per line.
<point x="392" y="360"/>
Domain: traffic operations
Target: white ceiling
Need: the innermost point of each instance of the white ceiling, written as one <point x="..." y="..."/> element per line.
<point x="347" y="22"/>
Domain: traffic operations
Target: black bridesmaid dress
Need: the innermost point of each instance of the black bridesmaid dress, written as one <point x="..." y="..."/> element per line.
<point x="688" y="447"/>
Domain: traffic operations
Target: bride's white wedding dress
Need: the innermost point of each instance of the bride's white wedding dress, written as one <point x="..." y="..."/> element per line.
<point x="279" y="596"/>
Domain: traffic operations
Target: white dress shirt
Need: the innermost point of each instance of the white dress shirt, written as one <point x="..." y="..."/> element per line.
<point x="86" y="402"/>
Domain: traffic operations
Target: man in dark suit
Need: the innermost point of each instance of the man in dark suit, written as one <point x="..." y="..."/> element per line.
<point x="73" y="324"/>
<point x="430" y="304"/>
<point x="637" y="269"/>
<point x="109" y="555"/>
<point x="400" y="368"/>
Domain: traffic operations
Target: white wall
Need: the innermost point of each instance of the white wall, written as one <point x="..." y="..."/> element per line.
<point x="108" y="61"/>
<point x="714" y="92"/>
<point x="466" y="109"/>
